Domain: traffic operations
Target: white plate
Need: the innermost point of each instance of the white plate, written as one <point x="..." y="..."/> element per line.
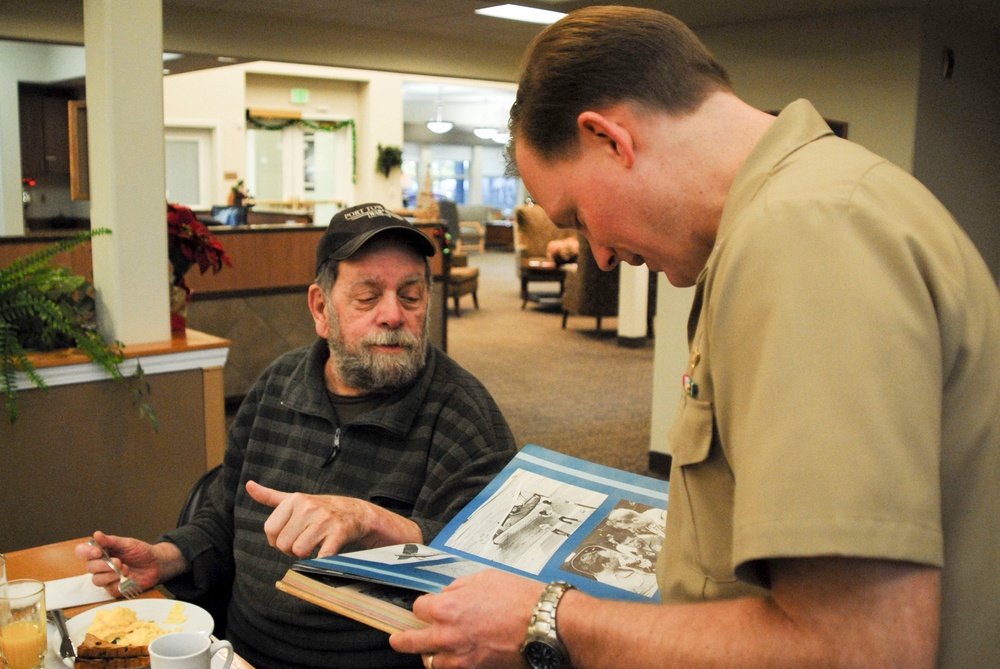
<point x="154" y="610"/>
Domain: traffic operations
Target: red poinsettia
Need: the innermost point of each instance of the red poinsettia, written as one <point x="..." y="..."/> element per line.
<point x="191" y="243"/>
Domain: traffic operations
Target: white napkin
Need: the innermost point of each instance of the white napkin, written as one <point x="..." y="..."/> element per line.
<point x="73" y="591"/>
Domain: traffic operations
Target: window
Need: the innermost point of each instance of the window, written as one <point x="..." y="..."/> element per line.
<point x="188" y="166"/>
<point x="449" y="180"/>
<point x="499" y="191"/>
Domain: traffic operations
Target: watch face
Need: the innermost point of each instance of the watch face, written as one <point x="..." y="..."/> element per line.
<point x="541" y="655"/>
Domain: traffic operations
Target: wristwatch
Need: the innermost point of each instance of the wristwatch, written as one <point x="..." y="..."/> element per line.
<point x="542" y="647"/>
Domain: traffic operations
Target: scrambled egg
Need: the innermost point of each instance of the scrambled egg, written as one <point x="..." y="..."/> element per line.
<point x="176" y="615"/>
<point x="121" y="626"/>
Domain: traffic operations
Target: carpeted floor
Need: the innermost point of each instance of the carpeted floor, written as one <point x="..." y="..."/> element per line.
<point x="574" y="390"/>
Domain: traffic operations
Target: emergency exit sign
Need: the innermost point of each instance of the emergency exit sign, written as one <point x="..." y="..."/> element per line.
<point x="300" y="96"/>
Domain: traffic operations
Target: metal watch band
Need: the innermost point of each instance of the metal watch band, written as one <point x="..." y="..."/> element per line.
<point x="542" y="627"/>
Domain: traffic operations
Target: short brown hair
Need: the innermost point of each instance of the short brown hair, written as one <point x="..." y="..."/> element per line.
<point x="598" y="56"/>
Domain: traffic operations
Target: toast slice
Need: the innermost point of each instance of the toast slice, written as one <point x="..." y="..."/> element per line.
<point x="95" y="653"/>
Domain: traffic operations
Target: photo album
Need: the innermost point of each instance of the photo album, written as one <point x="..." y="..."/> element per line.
<point x="546" y="516"/>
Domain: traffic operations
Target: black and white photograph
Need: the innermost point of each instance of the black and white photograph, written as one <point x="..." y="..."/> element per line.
<point x="621" y="551"/>
<point x="526" y="521"/>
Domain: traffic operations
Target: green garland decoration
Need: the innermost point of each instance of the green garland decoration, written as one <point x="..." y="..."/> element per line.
<point x="263" y="123"/>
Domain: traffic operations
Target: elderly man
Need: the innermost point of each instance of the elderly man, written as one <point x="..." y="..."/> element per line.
<point x="833" y="498"/>
<point x="369" y="437"/>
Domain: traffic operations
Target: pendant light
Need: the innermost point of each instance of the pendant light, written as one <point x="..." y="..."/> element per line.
<point x="438" y="125"/>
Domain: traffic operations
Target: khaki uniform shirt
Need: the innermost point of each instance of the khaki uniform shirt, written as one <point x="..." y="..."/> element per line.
<point x="843" y="392"/>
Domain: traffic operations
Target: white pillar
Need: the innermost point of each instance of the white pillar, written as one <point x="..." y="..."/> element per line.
<point x="475" y="194"/>
<point x="670" y="361"/>
<point x="124" y="51"/>
<point x="380" y="122"/>
<point x="633" y="295"/>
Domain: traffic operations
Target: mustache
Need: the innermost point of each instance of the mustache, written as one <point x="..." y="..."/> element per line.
<point x="391" y="338"/>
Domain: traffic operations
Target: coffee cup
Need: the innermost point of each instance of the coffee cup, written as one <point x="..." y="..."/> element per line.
<point x="186" y="650"/>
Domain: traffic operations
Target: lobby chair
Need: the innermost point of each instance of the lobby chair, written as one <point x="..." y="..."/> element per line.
<point x="589" y="290"/>
<point x="462" y="279"/>
<point x="472" y="222"/>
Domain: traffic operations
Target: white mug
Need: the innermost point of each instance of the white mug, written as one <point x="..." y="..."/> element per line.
<point x="186" y="650"/>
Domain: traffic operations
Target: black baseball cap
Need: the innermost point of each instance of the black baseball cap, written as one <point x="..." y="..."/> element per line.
<point x="351" y="228"/>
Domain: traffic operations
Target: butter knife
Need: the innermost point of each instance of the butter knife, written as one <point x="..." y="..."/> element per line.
<point x="66" y="650"/>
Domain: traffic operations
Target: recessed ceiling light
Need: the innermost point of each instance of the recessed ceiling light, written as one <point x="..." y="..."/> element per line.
<point x="521" y="13"/>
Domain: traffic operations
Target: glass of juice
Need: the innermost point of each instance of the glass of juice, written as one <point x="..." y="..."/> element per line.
<point x="22" y="624"/>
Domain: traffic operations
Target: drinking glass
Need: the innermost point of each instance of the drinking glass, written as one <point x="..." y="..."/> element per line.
<point x="23" y="638"/>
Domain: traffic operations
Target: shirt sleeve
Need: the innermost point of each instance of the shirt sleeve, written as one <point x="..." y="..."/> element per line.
<point x="828" y="383"/>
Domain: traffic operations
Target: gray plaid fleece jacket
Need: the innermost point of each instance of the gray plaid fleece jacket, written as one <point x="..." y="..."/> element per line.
<point x="425" y="453"/>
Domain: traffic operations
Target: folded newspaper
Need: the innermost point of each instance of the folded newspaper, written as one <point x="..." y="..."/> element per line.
<point x="546" y="516"/>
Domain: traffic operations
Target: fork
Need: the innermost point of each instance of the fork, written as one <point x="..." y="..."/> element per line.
<point x="126" y="585"/>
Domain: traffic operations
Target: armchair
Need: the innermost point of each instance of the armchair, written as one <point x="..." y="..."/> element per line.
<point x="462" y="279"/>
<point x="472" y="224"/>
<point x="533" y="230"/>
<point x="589" y="290"/>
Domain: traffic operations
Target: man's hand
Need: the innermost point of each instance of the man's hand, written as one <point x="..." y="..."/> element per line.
<point x="300" y="523"/>
<point x="148" y="564"/>
<point x="477" y="621"/>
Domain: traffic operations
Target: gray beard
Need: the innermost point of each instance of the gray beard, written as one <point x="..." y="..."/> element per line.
<point x="370" y="371"/>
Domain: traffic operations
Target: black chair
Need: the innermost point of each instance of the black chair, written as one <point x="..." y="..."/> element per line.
<point x="216" y="598"/>
<point x="196" y="497"/>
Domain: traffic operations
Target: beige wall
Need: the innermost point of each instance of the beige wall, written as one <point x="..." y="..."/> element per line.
<point x="220" y="97"/>
<point x="211" y="99"/>
<point x="957" y="144"/>
<point x="80" y="459"/>
<point x="862" y="69"/>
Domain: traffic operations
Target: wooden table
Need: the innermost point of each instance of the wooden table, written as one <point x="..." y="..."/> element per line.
<point x="542" y="270"/>
<point x="52" y="561"/>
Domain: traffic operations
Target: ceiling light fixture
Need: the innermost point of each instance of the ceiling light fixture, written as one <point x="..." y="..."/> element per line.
<point x="484" y="133"/>
<point x="438" y="125"/>
<point x="521" y="13"/>
<point x="501" y="137"/>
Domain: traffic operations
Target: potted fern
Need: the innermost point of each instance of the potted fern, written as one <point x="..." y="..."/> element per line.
<point x="46" y="308"/>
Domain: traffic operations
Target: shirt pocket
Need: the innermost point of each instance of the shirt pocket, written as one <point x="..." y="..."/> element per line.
<point x="701" y="496"/>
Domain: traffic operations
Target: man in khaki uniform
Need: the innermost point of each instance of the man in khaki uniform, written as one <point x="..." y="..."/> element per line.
<point x="834" y="497"/>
